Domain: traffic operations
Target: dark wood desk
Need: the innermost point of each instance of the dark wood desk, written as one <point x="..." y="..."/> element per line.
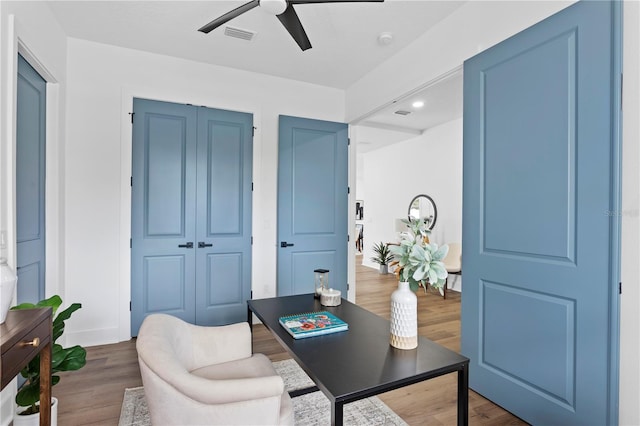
<point x="25" y="334"/>
<point x="359" y="363"/>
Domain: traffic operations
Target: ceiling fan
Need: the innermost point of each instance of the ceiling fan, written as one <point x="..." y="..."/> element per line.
<point x="285" y="12"/>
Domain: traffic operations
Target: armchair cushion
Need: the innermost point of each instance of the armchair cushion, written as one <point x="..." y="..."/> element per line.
<point x="207" y="375"/>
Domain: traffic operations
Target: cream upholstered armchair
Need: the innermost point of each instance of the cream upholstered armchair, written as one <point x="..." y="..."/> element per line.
<point x="453" y="262"/>
<point x="194" y="375"/>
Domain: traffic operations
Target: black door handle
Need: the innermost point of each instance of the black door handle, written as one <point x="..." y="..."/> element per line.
<point x="201" y="244"/>
<point x="286" y="244"/>
<point x="188" y="245"/>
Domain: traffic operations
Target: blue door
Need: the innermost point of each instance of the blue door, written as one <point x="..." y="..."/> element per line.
<point x="312" y="204"/>
<point x="191" y="213"/>
<point x="163" y="220"/>
<point x="30" y="183"/>
<point x="223" y="232"/>
<point x="540" y="242"/>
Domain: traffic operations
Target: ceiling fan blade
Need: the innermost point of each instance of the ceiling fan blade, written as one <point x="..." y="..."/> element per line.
<point x="332" y="1"/>
<point x="291" y="22"/>
<point x="229" y="16"/>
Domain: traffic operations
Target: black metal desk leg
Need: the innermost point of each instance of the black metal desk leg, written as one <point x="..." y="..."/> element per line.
<point x="250" y="321"/>
<point x="463" y="396"/>
<point x="336" y="413"/>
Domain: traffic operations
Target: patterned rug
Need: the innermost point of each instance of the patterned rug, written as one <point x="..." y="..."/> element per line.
<point x="309" y="410"/>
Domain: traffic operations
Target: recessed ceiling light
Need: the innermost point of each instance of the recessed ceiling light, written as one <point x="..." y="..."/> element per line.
<point x="418" y="104"/>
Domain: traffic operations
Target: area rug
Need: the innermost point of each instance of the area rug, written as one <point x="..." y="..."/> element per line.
<point x="310" y="410"/>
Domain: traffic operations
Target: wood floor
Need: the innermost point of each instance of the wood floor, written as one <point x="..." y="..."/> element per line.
<point x="93" y="395"/>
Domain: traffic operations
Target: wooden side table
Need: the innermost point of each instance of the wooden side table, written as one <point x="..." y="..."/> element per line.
<point x="25" y="334"/>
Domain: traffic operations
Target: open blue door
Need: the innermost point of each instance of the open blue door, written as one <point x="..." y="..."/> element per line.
<point x="540" y="241"/>
<point x="312" y="204"/>
<point x="30" y="183"/>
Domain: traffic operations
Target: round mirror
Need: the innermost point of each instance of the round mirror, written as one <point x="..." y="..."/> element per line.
<point x="423" y="207"/>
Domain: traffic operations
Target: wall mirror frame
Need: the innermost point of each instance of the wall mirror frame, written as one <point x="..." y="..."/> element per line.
<point x="423" y="207"/>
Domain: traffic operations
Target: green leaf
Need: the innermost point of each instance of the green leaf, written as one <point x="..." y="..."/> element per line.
<point x="53" y="302"/>
<point x="75" y="358"/>
<point x="66" y="314"/>
<point x="23" y="306"/>
<point x="28" y="394"/>
<point x="441" y="253"/>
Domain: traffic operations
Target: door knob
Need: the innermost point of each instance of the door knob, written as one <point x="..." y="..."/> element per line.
<point x="188" y="245"/>
<point x="201" y="244"/>
<point x="286" y="244"/>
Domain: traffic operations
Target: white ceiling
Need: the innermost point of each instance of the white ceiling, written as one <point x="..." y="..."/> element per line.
<point x="442" y="102"/>
<point x="343" y="35"/>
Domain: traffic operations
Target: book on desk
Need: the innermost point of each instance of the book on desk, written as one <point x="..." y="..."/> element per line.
<point x="311" y="324"/>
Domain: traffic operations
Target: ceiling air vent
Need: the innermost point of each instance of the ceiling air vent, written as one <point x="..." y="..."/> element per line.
<point x="239" y="33"/>
<point x="402" y="112"/>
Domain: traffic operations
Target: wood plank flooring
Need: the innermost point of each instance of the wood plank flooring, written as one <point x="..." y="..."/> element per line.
<point x="93" y="395"/>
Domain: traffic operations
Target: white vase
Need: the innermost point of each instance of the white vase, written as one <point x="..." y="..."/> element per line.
<point x="404" y="317"/>
<point x="34" y="419"/>
<point x="8" y="280"/>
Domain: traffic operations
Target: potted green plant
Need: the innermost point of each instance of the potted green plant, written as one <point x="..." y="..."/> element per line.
<point x="383" y="256"/>
<point x="62" y="359"/>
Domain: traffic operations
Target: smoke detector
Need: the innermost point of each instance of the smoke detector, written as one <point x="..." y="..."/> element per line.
<point x="385" y="39"/>
<point x="402" y="112"/>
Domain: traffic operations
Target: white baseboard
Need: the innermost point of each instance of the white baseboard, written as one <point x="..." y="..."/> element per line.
<point x="87" y="338"/>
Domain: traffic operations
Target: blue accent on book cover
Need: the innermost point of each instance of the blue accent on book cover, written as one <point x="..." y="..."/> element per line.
<point x="312" y="324"/>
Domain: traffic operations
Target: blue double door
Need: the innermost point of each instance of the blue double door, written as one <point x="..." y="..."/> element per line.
<point x="191" y="213"/>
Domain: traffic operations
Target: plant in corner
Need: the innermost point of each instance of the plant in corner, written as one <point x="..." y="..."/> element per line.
<point x="62" y="359"/>
<point x="383" y="256"/>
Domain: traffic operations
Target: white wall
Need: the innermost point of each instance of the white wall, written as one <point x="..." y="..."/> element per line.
<point x="30" y="28"/>
<point x="478" y="25"/>
<point x="630" y="273"/>
<point x="102" y="81"/>
<point x="427" y="164"/>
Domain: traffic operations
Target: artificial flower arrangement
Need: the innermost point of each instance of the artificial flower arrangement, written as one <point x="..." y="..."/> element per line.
<point x="417" y="260"/>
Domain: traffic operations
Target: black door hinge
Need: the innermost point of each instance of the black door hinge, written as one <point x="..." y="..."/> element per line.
<point x="130" y="242"/>
<point x="620" y="287"/>
<point x="252" y="240"/>
<point x="131" y="181"/>
<point x="348" y="141"/>
<point x="348" y="190"/>
<point x="253" y="131"/>
<point x="132" y="114"/>
<point x="129" y="306"/>
<point x="251" y="186"/>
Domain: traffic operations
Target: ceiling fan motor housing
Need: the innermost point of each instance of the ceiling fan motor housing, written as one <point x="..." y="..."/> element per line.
<point x="274" y="7"/>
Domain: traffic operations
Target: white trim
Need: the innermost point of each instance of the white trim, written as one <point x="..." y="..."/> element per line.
<point x="53" y="201"/>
